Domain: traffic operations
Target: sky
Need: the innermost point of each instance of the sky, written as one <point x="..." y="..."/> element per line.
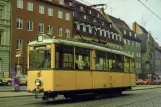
<point x="132" y="10"/>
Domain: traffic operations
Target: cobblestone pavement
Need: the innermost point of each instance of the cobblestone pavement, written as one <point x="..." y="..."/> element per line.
<point x="140" y="98"/>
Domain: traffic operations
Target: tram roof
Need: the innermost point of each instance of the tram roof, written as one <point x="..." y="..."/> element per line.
<point x="77" y="43"/>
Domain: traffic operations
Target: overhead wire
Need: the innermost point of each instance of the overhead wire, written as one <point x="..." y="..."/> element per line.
<point x="149" y="9"/>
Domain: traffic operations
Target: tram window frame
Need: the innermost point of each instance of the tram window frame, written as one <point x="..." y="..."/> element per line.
<point x="100" y="55"/>
<point x="66" y="50"/>
<point x="82" y="54"/>
<point x="125" y="62"/>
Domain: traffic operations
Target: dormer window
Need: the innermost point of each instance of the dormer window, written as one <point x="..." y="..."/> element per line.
<point x="81" y="8"/>
<point x="84" y="28"/>
<point x="116" y="37"/>
<point x="98" y="15"/>
<point x="130" y="33"/>
<point x="103" y="23"/>
<point x="85" y="17"/>
<point x="124" y="32"/>
<point x="110" y="25"/>
<point x="70" y="4"/>
<point x="61" y="2"/>
<point x="100" y="32"/>
<point x="94" y="20"/>
<point x="112" y="35"/>
<point x="90" y="12"/>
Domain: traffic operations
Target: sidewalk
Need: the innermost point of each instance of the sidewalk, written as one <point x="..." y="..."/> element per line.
<point x="24" y="93"/>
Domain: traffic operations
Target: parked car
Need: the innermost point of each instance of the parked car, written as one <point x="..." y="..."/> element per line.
<point x="147" y="82"/>
<point x="139" y="82"/>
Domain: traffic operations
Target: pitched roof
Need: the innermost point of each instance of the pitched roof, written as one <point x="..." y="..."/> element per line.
<point x="143" y="29"/>
<point x="119" y="23"/>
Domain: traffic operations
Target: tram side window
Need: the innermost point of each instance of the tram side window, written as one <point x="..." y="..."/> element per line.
<point x="100" y="60"/>
<point x="82" y="57"/>
<point x="111" y="61"/>
<point x="132" y="65"/>
<point x="64" y="57"/>
<point x="119" y="63"/>
<point x="127" y="64"/>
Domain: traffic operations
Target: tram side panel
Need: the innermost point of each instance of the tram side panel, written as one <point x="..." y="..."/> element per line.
<point x="46" y="77"/>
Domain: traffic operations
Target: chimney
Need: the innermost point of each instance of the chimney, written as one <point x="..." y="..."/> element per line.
<point x="134" y="27"/>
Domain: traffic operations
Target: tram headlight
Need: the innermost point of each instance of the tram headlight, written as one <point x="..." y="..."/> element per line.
<point x="38" y="82"/>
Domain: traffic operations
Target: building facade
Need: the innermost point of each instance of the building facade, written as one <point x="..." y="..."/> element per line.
<point x="132" y="44"/>
<point x="157" y="58"/>
<point x="33" y="17"/>
<point x="148" y="50"/>
<point x="5" y="9"/>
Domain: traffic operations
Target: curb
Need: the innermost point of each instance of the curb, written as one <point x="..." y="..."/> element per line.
<point x="16" y="96"/>
<point x="12" y="90"/>
<point x="144" y="88"/>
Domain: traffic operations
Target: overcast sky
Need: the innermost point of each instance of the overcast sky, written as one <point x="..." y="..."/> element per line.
<point x="132" y="10"/>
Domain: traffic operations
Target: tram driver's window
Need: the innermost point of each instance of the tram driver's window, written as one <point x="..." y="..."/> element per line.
<point x="64" y="57"/>
<point x="82" y="56"/>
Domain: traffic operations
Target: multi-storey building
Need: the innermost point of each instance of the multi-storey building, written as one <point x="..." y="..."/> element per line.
<point x="147" y="48"/>
<point x="90" y="24"/>
<point x="4" y="35"/>
<point x="132" y="44"/>
<point x="33" y="17"/>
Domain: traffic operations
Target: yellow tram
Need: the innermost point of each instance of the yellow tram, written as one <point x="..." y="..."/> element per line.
<point x="71" y="67"/>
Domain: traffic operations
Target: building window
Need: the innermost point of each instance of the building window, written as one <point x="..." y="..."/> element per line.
<point x="30" y="25"/>
<point x="0" y="38"/>
<point x="41" y="27"/>
<point x="103" y="23"/>
<point x="18" y="44"/>
<point x="130" y="33"/>
<point x="67" y="16"/>
<point x="85" y="17"/>
<point x="30" y="6"/>
<point x="81" y="8"/>
<point x="116" y="37"/>
<point x="60" y="14"/>
<point x="41" y="9"/>
<point x="124" y="32"/>
<point x="50" y="29"/>
<point x="61" y="2"/>
<point x="98" y="15"/>
<point x="19" y="23"/>
<point x="90" y="29"/>
<point x="78" y="26"/>
<point x="100" y="32"/>
<point x="60" y="30"/>
<point x="128" y="42"/>
<point x="20" y="4"/>
<point x="67" y="33"/>
<point x="112" y="35"/>
<point x="90" y="12"/>
<point x="0" y="13"/>
<point x="50" y="12"/>
<point x="94" y="20"/>
<point x="120" y="38"/>
<point x="84" y="28"/>
<point x="70" y="4"/>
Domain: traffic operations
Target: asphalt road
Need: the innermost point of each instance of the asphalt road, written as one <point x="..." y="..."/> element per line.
<point x="140" y="98"/>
